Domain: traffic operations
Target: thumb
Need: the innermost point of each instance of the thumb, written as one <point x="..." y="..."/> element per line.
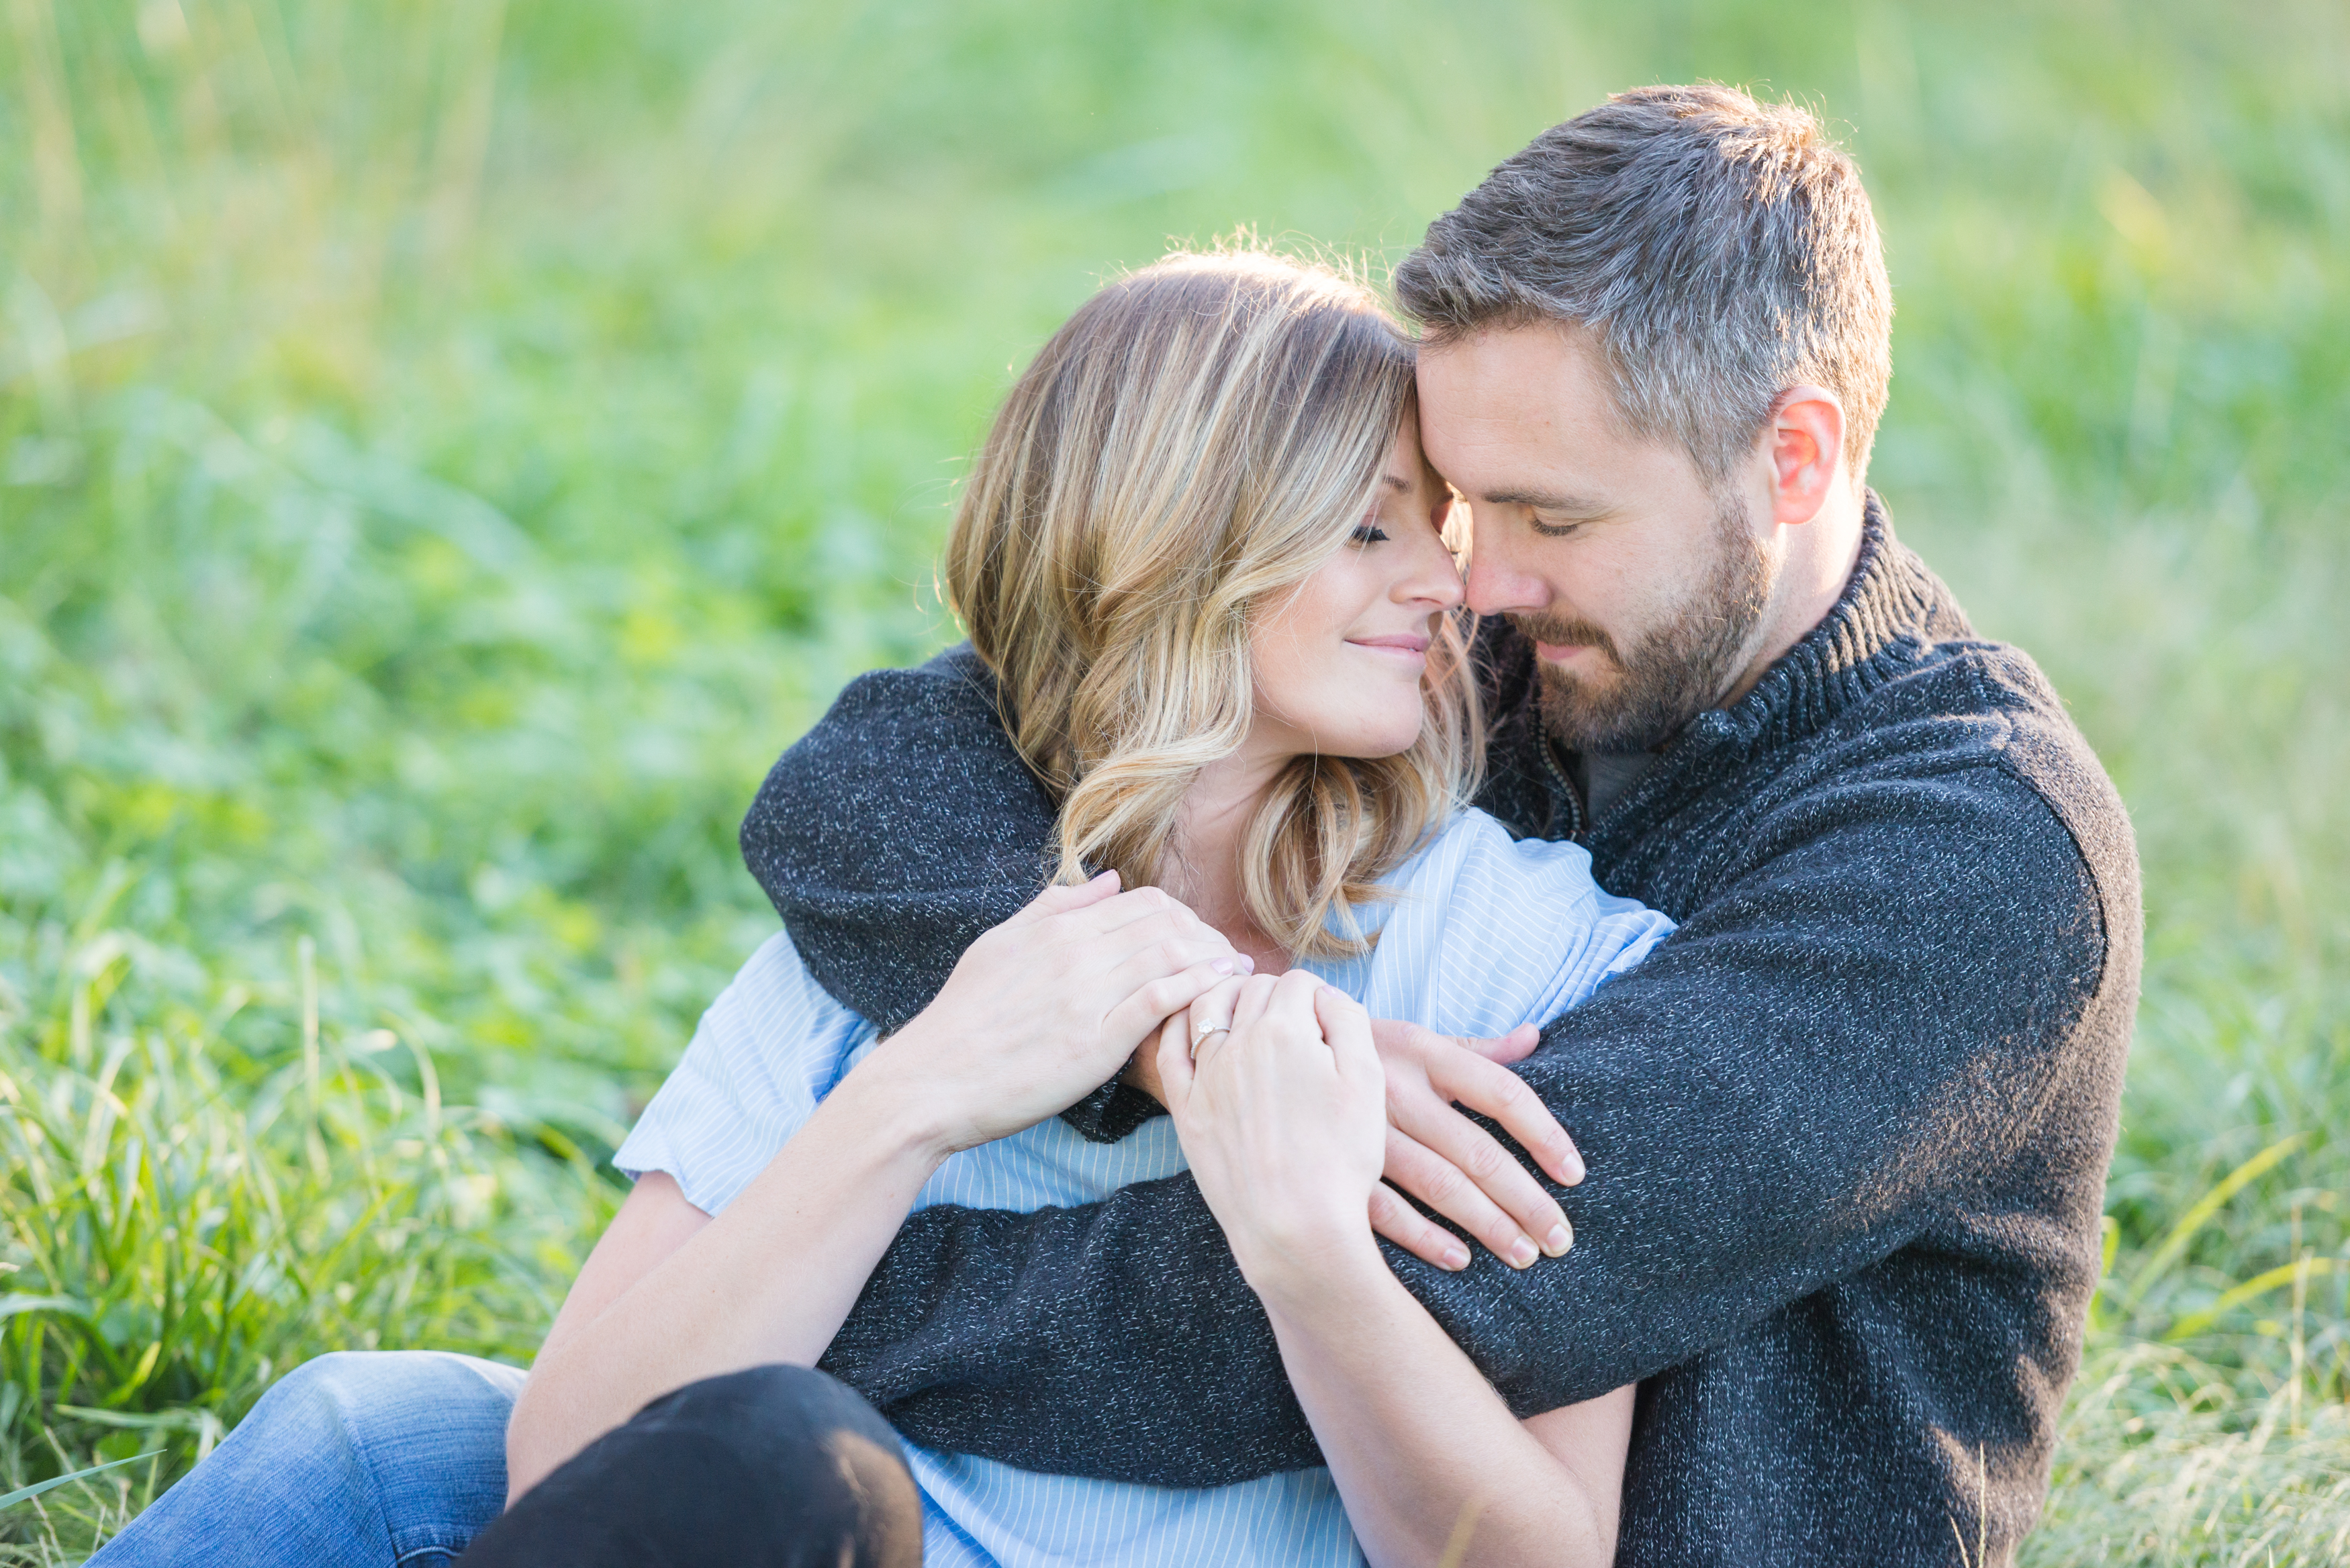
<point x="1176" y="1068"/>
<point x="1515" y="1046"/>
<point x="1348" y="1029"/>
<point x="1061" y="898"/>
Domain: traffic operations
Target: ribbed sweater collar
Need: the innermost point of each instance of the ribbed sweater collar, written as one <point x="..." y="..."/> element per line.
<point x="1891" y="607"/>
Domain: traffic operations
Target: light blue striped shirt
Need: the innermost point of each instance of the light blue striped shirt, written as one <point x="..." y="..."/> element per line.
<point x="1484" y="934"/>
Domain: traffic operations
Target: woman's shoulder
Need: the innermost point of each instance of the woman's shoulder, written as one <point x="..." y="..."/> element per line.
<point x="1473" y="847"/>
<point x="775" y="1038"/>
<point x="773" y="990"/>
<point x="1487" y="931"/>
<point x="768" y="1048"/>
<point x="902" y="825"/>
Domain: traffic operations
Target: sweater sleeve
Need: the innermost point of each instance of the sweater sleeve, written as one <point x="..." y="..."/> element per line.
<point x="1847" y="1041"/>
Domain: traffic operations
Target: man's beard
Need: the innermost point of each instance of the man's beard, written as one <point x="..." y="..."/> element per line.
<point x="1675" y="672"/>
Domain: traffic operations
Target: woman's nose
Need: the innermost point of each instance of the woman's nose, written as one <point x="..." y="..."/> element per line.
<point x="1435" y="580"/>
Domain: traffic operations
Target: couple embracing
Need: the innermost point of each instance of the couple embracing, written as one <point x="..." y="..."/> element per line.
<point x="1154" y="1118"/>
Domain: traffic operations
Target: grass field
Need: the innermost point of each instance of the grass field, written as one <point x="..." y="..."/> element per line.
<point x="450" y="448"/>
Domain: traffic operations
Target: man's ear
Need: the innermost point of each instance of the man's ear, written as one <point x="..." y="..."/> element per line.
<point x="1806" y="439"/>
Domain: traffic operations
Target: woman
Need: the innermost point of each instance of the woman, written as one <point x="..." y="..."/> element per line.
<point x="1204" y="561"/>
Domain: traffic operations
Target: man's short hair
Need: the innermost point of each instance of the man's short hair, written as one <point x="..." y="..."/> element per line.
<point x="1717" y="250"/>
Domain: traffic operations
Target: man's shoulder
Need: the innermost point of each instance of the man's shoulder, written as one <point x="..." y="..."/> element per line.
<point x="903" y="719"/>
<point x="1898" y="679"/>
<point x="1962" y="765"/>
<point x="1980" y="710"/>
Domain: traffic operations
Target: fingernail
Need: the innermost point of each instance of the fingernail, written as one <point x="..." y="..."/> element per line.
<point x="1570" y="1172"/>
<point x="1222" y="966"/>
<point x="1560" y="1239"/>
<point x="1110" y="876"/>
<point x="1521" y="1253"/>
<point x="1456" y="1258"/>
<point x="1248" y="964"/>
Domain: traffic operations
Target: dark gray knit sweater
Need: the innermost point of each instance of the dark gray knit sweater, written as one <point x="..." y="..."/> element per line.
<point x="1847" y="1130"/>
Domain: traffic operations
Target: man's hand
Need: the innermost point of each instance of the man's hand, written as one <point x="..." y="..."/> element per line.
<point x="1440" y="1156"/>
<point x="1457" y="1167"/>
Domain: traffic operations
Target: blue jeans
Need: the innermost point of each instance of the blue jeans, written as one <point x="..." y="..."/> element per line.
<point x="392" y="1459"/>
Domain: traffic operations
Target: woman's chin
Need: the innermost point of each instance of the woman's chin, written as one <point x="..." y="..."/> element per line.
<point x="1371" y="744"/>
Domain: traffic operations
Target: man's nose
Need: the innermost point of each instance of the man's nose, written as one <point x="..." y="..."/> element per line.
<point x="1495" y="586"/>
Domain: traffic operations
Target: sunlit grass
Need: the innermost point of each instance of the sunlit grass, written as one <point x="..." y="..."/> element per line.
<point x="449" y="449"/>
<point x="188" y="1218"/>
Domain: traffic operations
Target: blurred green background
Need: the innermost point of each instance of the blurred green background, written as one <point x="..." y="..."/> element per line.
<point x="450" y="447"/>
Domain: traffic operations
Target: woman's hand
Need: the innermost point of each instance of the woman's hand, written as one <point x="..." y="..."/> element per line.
<point x="1040" y="1010"/>
<point x="1435" y="1152"/>
<point x="1045" y="1008"/>
<point x="1284" y="1120"/>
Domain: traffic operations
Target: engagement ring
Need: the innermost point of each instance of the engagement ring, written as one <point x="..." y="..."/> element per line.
<point x="1199" y="1036"/>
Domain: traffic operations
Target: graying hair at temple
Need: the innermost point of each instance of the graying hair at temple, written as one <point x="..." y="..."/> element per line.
<point x="1719" y="251"/>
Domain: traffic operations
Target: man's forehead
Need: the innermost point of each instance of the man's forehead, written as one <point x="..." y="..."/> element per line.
<point x="1523" y="415"/>
<point x="1526" y="378"/>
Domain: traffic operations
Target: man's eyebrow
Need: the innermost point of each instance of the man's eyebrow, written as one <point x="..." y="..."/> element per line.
<point x="1545" y="501"/>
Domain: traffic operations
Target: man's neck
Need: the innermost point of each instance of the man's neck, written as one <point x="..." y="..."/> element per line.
<point x="1820" y="556"/>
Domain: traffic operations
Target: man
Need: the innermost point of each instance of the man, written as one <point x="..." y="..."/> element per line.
<point x="1846" y="1132"/>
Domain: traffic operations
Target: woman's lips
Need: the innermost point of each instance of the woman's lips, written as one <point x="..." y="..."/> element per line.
<point x="1400" y="644"/>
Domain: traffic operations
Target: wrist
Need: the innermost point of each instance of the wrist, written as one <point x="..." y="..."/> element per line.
<point x="1302" y="1268"/>
<point x="900" y="1112"/>
<point x="1142" y="1069"/>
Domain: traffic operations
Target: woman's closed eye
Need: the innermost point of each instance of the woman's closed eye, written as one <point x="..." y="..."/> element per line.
<point x="1369" y="532"/>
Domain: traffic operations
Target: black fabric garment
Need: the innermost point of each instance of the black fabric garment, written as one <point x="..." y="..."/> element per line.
<point x="1602" y="777"/>
<point x="775" y="1467"/>
<point x="1847" y="1130"/>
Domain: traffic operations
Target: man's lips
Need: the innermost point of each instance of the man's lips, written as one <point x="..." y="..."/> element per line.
<point x="1560" y="652"/>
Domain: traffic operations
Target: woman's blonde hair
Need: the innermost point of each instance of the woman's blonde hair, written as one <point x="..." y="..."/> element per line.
<point x="1199" y="438"/>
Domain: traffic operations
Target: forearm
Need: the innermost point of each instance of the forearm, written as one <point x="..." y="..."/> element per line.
<point x="1430" y="1460"/>
<point x="769" y="1279"/>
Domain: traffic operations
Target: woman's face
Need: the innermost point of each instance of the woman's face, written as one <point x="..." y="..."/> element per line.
<point x="1338" y="662"/>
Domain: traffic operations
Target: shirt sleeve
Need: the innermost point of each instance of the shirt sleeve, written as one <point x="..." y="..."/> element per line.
<point x="769" y="1049"/>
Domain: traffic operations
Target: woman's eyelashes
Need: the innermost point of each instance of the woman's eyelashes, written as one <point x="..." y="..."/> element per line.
<point x="1369" y="532"/>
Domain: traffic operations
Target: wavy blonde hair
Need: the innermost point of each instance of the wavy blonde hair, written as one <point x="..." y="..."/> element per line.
<point x="1198" y="439"/>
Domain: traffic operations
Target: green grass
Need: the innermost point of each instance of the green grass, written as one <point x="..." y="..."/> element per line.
<point x="449" y="449"/>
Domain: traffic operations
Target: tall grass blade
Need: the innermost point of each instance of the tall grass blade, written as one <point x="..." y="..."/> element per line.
<point x="2283" y="1274"/>
<point x="10" y="1499"/>
<point x="2173" y="1244"/>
